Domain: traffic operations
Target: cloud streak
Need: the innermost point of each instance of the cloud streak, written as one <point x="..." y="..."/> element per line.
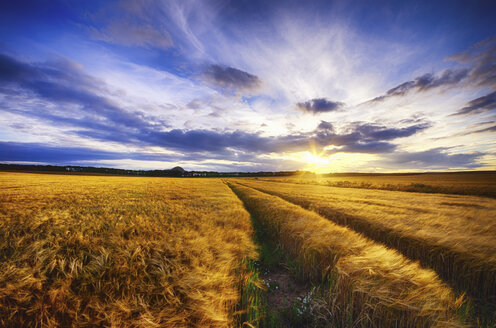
<point x="482" y="57"/>
<point x="63" y="83"/>
<point x="481" y="72"/>
<point x="435" y="158"/>
<point x="424" y="83"/>
<point x="236" y="81"/>
<point x="479" y="105"/>
<point x="81" y="99"/>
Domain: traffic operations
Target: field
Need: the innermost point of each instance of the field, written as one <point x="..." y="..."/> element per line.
<point x="463" y="183"/>
<point x="106" y="251"/>
<point x="120" y="252"/>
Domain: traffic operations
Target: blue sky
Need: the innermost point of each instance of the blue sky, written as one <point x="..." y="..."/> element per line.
<point x="328" y="86"/>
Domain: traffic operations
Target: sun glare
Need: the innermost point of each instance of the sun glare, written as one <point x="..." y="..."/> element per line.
<point x="315" y="162"/>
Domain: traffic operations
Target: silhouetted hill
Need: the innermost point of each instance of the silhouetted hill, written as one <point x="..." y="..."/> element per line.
<point x="174" y="172"/>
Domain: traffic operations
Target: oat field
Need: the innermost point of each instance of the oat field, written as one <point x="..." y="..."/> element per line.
<point x="106" y="251"/>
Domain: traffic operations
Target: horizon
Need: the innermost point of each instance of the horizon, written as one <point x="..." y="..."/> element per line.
<point x="249" y="86"/>
<point x="302" y="172"/>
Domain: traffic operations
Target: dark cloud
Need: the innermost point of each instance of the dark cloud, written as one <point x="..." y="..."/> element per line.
<point x="436" y="158"/>
<point x="479" y="105"/>
<point x="42" y="153"/>
<point x="81" y="99"/>
<point x="67" y="97"/>
<point x="489" y="129"/>
<point x="447" y="77"/>
<point x="326" y="126"/>
<point x="373" y="147"/>
<point x="18" y="152"/>
<point x="482" y="58"/>
<point x="231" y="78"/>
<point x="365" y="138"/>
<point x="378" y="132"/>
<point x="319" y="105"/>
<point x="361" y="138"/>
<point x="426" y="82"/>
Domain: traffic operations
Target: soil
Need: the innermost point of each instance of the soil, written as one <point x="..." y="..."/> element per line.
<point x="283" y="289"/>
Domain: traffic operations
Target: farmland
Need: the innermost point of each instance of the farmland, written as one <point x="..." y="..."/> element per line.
<point x="462" y="183"/>
<point x="122" y="252"/>
<point x="454" y="235"/>
<point x="107" y="251"/>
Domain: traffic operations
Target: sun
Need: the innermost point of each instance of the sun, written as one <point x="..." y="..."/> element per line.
<point x="315" y="162"/>
<point x="314" y="159"/>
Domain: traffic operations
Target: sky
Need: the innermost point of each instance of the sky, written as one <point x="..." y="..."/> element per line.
<point x="325" y="86"/>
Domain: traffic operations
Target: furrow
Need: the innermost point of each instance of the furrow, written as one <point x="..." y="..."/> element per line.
<point x="464" y="271"/>
<point x="368" y="284"/>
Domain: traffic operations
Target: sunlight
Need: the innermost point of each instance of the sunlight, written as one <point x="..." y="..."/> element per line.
<point x="337" y="162"/>
<point x="315" y="163"/>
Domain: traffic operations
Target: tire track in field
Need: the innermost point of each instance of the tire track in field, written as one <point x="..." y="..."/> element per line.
<point x="454" y="267"/>
<point x="325" y="250"/>
<point x="284" y="292"/>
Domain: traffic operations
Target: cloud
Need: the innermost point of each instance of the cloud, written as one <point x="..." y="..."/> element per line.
<point x="84" y="104"/>
<point x="38" y="152"/>
<point x="479" y="130"/>
<point x="482" y="57"/>
<point x="81" y="99"/>
<point x="326" y="126"/>
<point x="23" y="152"/>
<point x="129" y="34"/>
<point x="373" y="147"/>
<point x="479" y="105"/>
<point x="433" y="158"/>
<point x="365" y="138"/>
<point x="489" y="129"/>
<point x="378" y="132"/>
<point x="481" y="72"/>
<point x="231" y="78"/>
<point x="320" y="105"/>
<point x="426" y="82"/>
<point x="129" y="23"/>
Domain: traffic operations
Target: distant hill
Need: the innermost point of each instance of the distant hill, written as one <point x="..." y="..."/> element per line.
<point x="174" y="172"/>
<point x="178" y="169"/>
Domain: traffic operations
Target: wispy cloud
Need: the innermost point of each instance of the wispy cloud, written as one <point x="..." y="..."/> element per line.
<point x="479" y="105"/>
<point x="64" y="83"/>
<point x="436" y="158"/>
<point x="235" y="82"/>
<point x="133" y="35"/>
<point x="91" y="114"/>
<point x="425" y="82"/>
<point x="482" y="57"/>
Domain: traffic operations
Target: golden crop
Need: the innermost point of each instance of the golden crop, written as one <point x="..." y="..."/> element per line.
<point x="462" y="183"/>
<point x="455" y="235"/>
<point x="371" y="285"/>
<point x="86" y="251"/>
